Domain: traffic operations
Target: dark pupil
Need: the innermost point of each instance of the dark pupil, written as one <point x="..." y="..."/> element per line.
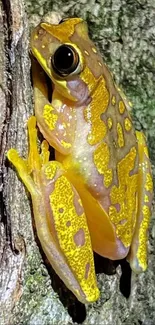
<point x="63" y="60"/>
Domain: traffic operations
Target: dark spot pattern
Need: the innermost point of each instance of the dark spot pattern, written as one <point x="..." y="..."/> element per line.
<point x="79" y="238"/>
<point x="87" y="270"/>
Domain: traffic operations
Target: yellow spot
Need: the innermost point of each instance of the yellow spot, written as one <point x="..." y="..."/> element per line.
<point x="114" y="144"/>
<point x="110" y="123"/>
<point x="65" y="144"/>
<point x="49" y="117"/>
<point x="125" y="196"/>
<point x="92" y="114"/>
<point x="88" y="77"/>
<point x="146" y="198"/>
<point x="101" y="160"/>
<point x="94" y="50"/>
<point x="141" y="138"/>
<point x="113" y="101"/>
<point x="86" y="52"/>
<point x="35" y="37"/>
<point x="127" y="124"/>
<point x="62" y="199"/>
<point x="130" y="104"/>
<point x="142" y="248"/>
<point x="100" y="64"/>
<point x="146" y="151"/>
<point x="149" y="183"/>
<point x="121" y="107"/>
<point x="51" y="170"/>
<point x="43" y="46"/>
<point x="64" y="125"/>
<point x="61" y="33"/>
<point x="120" y="135"/>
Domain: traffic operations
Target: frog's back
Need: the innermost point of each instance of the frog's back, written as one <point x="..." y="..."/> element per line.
<point x="104" y="155"/>
<point x="100" y="155"/>
<point x="107" y="159"/>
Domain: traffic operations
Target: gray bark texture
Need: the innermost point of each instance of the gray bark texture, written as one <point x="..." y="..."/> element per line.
<point x="30" y="291"/>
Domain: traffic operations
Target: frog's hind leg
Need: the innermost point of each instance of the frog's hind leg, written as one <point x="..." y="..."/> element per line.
<point x="138" y="251"/>
<point x="59" y="218"/>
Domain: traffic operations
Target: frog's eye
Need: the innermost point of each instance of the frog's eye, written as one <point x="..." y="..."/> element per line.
<point x="65" y="60"/>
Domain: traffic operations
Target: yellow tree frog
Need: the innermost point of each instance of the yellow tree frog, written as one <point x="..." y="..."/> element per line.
<point x="96" y="195"/>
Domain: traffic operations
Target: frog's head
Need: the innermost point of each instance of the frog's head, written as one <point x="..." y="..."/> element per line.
<point x="68" y="57"/>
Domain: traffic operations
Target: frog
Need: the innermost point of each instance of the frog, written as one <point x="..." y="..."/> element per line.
<point x="96" y="194"/>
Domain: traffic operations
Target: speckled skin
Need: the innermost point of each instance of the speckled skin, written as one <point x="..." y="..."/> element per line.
<point x="103" y="170"/>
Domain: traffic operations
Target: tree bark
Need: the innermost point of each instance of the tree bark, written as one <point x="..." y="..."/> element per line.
<point x="15" y="106"/>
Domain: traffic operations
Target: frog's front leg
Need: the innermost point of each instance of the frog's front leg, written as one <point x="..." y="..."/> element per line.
<point x="55" y="119"/>
<point x="59" y="218"/>
<point x="138" y="251"/>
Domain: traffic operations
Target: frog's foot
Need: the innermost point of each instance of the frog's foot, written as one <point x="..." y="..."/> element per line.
<point x="32" y="165"/>
<point x="138" y="251"/>
<point x="59" y="217"/>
